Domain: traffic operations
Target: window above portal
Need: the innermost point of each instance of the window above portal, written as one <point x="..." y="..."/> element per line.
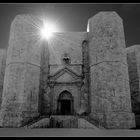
<point x="66" y="59"/>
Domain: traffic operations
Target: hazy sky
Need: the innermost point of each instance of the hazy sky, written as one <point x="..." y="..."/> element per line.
<point x="72" y="17"/>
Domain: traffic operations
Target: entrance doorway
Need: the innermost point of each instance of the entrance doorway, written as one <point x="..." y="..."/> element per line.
<point x="65" y="107"/>
<point x="65" y="103"/>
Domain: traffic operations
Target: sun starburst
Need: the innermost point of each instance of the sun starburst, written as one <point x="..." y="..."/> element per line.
<point x="47" y="30"/>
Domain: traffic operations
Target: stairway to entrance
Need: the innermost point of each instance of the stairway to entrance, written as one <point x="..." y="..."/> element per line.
<point x="63" y="121"/>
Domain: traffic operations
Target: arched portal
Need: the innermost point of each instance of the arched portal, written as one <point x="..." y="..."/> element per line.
<point x="65" y="103"/>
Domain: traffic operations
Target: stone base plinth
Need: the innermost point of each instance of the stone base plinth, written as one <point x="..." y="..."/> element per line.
<point x="16" y="119"/>
<point x="115" y="120"/>
<point x="63" y="121"/>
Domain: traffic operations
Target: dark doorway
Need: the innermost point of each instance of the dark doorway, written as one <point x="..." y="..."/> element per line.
<point x="65" y="107"/>
<point x="65" y="103"/>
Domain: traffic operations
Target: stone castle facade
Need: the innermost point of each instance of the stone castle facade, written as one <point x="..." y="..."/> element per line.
<point x="88" y="77"/>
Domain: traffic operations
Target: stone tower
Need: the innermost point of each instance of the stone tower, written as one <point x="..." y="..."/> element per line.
<point x="133" y="54"/>
<point x="109" y="85"/>
<point x="22" y="75"/>
<point x="133" y="59"/>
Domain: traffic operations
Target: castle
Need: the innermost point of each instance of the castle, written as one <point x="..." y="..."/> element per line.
<point x="83" y="79"/>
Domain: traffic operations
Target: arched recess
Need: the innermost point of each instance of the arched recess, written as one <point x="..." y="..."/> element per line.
<point x="65" y="103"/>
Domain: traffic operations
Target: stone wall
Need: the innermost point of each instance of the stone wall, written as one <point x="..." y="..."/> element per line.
<point x="44" y="99"/>
<point x="22" y="75"/>
<point x="62" y="76"/>
<point x="133" y="60"/>
<point x="69" y="42"/>
<point x="109" y="85"/>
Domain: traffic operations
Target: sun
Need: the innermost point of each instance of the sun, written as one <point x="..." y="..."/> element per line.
<point x="47" y="30"/>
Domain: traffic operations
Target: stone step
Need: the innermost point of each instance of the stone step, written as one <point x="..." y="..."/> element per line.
<point x="93" y="121"/>
<point x="42" y="123"/>
<point x="60" y="121"/>
<point x="84" y="124"/>
<point x="63" y="121"/>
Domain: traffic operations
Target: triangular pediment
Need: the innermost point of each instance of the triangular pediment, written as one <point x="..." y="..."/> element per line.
<point x="65" y="75"/>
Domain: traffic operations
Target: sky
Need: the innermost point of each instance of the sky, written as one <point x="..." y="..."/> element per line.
<point x="71" y="17"/>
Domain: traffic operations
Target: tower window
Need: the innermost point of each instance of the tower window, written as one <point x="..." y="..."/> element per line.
<point x="84" y="43"/>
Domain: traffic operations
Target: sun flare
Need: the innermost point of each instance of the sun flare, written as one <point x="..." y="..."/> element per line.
<point x="47" y="30"/>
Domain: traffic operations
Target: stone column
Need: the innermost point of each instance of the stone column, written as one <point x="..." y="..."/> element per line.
<point x="21" y="82"/>
<point x="109" y="85"/>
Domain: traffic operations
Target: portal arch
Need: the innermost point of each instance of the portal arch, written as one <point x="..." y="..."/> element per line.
<point x="65" y="103"/>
